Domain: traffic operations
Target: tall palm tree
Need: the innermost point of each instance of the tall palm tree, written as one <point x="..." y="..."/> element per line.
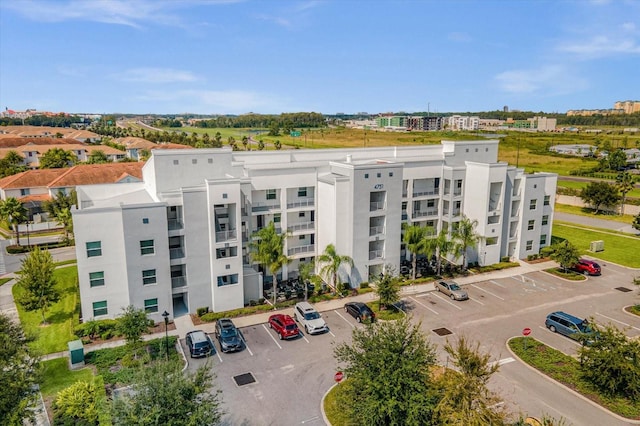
<point x="465" y="237"/>
<point x="331" y="262"/>
<point x="14" y="213"/>
<point x="415" y="238"/>
<point x="624" y="183"/>
<point x="441" y="246"/>
<point x="268" y="250"/>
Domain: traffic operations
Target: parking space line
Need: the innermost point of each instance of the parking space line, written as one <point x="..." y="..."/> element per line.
<point x="304" y="337"/>
<point x="219" y="357"/>
<point x="568" y="338"/>
<point x="486" y="291"/>
<point x="245" y="344"/>
<point x="331" y="333"/>
<point x="619" y="322"/>
<point x="446" y="300"/>
<point x="496" y="283"/>
<point x="477" y="301"/>
<point x="271" y="335"/>
<point x="424" y="306"/>
<point x="345" y="320"/>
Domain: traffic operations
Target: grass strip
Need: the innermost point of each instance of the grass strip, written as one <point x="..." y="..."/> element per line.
<point x="57" y="376"/>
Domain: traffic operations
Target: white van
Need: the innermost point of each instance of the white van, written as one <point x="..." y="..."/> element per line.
<point x="307" y="316"/>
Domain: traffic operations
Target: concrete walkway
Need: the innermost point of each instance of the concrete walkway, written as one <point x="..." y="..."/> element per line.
<point x="596" y="222"/>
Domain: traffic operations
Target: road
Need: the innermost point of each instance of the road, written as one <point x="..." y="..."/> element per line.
<point x="595" y="222"/>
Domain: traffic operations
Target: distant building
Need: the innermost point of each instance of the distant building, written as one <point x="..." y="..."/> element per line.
<point x="462" y="122"/>
<point x="505" y="108"/>
<point x="579" y="150"/>
<point x="540" y="124"/>
<point x="629" y="107"/>
<point x="590" y="112"/>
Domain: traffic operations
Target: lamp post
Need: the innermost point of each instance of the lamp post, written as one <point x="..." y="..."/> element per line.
<point x="28" y="242"/>
<point x="165" y="314"/>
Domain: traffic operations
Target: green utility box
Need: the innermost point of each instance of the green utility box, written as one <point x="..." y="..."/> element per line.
<point x="76" y="354"/>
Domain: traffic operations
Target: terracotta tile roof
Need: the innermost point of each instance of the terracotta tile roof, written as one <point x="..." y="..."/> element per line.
<point x="31" y="178"/>
<point x="76" y="146"/>
<point x="11" y="141"/>
<point x="172" y="146"/>
<point x="34" y="197"/>
<point x="68" y="132"/>
<point x="91" y="174"/>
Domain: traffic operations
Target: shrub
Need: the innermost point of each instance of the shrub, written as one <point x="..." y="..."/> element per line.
<point x="94" y="328"/>
<point x="546" y="251"/>
<point x="364" y="285"/>
<point x="504" y="259"/>
<point x="77" y="405"/>
<point x="252" y="302"/>
<point x="261" y="301"/>
<point x="203" y="310"/>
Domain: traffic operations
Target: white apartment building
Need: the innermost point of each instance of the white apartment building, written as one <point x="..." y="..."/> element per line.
<point x="179" y="240"/>
<point x="462" y="122"/>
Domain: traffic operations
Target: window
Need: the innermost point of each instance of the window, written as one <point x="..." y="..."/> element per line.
<point x="543" y="239"/>
<point x="225" y="195"/>
<point x="145" y="220"/>
<point x="99" y="308"/>
<point x="546" y="200"/>
<point x="146" y="247"/>
<point x="531" y="225"/>
<point x="529" y="245"/>
<point x="301" y="237"/>
<point x="277" y="218"/>
<point x="94" y="248"/>
<point x="24" y="192"/>
<point x="151" y="305"/>
<point x="149" y="277"/>
<point x="545" y="220"/>
<point x="210" y="160"/>
<point x="366" y="175"/>
<point x="302" y="192"/>
<point x="194" y="161"/>
<point x="390" y="174"/>
<point x="271" y="194"/>
<point x="492" y="241"/>
<point x="176" y="162"/>
<point x="301" y="214"/>
<point x="227" y="280"/>
<point x="379" y="174"/>
<point x="532" y="204"/>
<point x="96" y="279"/>
<point x="466" y="150"/>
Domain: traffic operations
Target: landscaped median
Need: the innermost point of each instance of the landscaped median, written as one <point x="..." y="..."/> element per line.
<point x="566" y="370"/>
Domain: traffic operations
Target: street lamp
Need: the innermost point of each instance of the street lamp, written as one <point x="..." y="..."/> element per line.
<point x="165" y="314"/>
<point x="28" y="242"/>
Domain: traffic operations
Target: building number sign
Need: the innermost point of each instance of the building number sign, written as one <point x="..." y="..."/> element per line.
<point x="379" y="186"/>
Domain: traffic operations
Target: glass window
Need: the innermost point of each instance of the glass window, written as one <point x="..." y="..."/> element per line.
<point x="302" y="192"/>
<point x="390" y="174"/>
<point x="545" y="220"/>
<point x="25" y="191"/>
<point x="547" y="199"/>
<point x="531" y="225"/>
<point x="301" y="214"/>
<point x="543" y="239"/>
<point x="99" y="308"/>
<point x="146" y="247"/>
<point x="176" y="162"/>
<point x="271" y="194"/>
<point x="379" y="174"/>
<point x="532" y="204"/>
<point x="149" y="277"/>
<point x="277" y="218"/>
<point x="492" y="241"/>
<point x="96" y="279"/>
<point x="94" y="248"/>
<point x="529" y="245"/>
<point x="151" y="305"/>
<point x="366" y="175"/>
<point x="194" y="161"/>
<point x="227" y="280"/>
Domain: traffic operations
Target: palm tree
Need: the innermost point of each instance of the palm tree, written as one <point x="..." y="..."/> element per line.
<point x="305" y="271"/>
<point x="331" y="262"/>
<point x="245" y="141"/>
<point x="441" y="246"/>
<point x="12" y="211"/>
<point x="415" y="238"/>
<point x="268" y="249"/>
<point x="624" y="183"/>
<point x="465" y="237"/>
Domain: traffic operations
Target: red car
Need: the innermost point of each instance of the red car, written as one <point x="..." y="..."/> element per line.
<point x="587" y="267"/>
<point x="284" y="325"/>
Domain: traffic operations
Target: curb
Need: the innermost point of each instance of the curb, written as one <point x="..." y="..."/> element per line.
<point x="324" y="415"/>
<point x="579" y="395"/>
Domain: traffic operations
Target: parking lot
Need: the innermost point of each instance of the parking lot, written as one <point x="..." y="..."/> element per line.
<point x="291" y="376"/>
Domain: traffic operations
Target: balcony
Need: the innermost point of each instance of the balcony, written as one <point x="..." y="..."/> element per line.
<point x="226" y="235"/>
<point x="263" y="207"/>
<point x="174" y="224"/>
<point x="457" y="192"/>
<point x="177" y="282"/>
<point x="301" y="226"/>
<point x="176" y="253"/>
<point x="424" y="193"/>
<point x="301" y="249"/>
<point x="376" y="205"/>
<point x="424" y="213"/>
<point x="376" y="230"/>
<point x="375" y="254"/>
<point x="303" y="202"/>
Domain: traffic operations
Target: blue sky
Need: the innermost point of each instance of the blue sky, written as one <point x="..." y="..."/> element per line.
<point x="269" y="56"/>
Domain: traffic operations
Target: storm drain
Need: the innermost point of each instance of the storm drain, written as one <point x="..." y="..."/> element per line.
<point x="442" y="331"/>
<point x="244" y="379"/>
<point x="623" y="289"/>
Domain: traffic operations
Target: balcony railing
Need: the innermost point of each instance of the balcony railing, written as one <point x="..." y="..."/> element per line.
<point x="301" y="249"/>
<point x="375" y="254"/>
<point x="174" y="224"/>
<point x="226" y="235"/>
<point x="457" y="192"/>
<point x="421" y="213"/>
<point x="376" y="205"/>
<point x="263" y="207"/>
<point x="177" y="282"/>
<point x="301" y="226"/>
<point x="303" y="202"/>
<point x="423" y="193"/>
<point x="375" y="230"/>
<point x="176" y="253"/>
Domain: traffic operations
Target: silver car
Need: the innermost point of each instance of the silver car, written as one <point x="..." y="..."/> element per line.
<point x="451" y="289"/>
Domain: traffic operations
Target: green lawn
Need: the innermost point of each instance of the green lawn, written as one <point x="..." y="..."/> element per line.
<point x="335" y="414"/>
<point x="583" y="184"/>
<point x="389" y="314"/>
<point x="585" y="211"/>
<point x="57" y="376"/>
<point x="618" y="248"/>
<point x="4" y="280"/>
<point x="224" y="132"/>
<point x="62" y="316"/>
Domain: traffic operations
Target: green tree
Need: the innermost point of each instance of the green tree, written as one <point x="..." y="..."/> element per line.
<point x="636" y="222"/>
<point x="387" y="288"/>
<point x="466" y="399"/>
<point x="388" y="370"/>
<point x="18" y="374"/>
<point x="331" y="262"/>
<point x="267" y="248"/>
<point x="600" y="194"/>
<point x="59" y="208"/>
<point x="245" y="142"/>
<point x="274" y="129"/>
<point x="260" y="145"/>
<point x="78" y="404"/>
<point x="162" y="394"/>
<point x="616" y="160"/>
<point x="415" y="239"/>
<point x="612" y="363"/>
<point x="218" y="139"/>
<point x="625" y="183"/>
<point x="11" y="164"/>
<point x="97" y="157"/>
<point x="566" y="254"/>
<point x="305" y="271"/>
<point x="57" y="158"/>
<point x="277" y="145"/>
<point x="132" y="324"/>
<point x="465" y="237"/>
<point x="37" y="280"/>
<point x="13" y="212"/>
<point x="441" y="245"/>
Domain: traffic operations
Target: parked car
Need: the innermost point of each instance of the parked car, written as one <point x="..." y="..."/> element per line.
<point x="570" y="326"/>
<point x="307" y="315"/>
<point x="199" y="344"/>
<point x="587" y="267"/>
<point x="360" y="311"/>
<point x="228" y="336"/>
<point x="284" y="325"/>
<point x="451" y="289"/>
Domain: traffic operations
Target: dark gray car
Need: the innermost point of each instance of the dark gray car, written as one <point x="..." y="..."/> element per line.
<point x="228" y="336"/>
<point x="451" y="289"/>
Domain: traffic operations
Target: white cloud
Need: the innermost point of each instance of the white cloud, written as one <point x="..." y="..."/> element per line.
<point x="548" y="80"/>
<point x="156" y="75"/>
<point x="459" y="37"/>
<point x="291" y="16"/>
<point x="600" y="46"/>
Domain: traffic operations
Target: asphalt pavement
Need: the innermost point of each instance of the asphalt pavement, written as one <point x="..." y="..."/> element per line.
<point x="596" y="222"/>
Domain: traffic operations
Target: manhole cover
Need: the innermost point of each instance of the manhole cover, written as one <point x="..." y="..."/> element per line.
<point x="442" y="331"/>
<point x="244" y="379"/>
<point x="623" y="289"/>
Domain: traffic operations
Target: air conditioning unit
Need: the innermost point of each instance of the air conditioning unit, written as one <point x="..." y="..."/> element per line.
<point x="596" y="246"/>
